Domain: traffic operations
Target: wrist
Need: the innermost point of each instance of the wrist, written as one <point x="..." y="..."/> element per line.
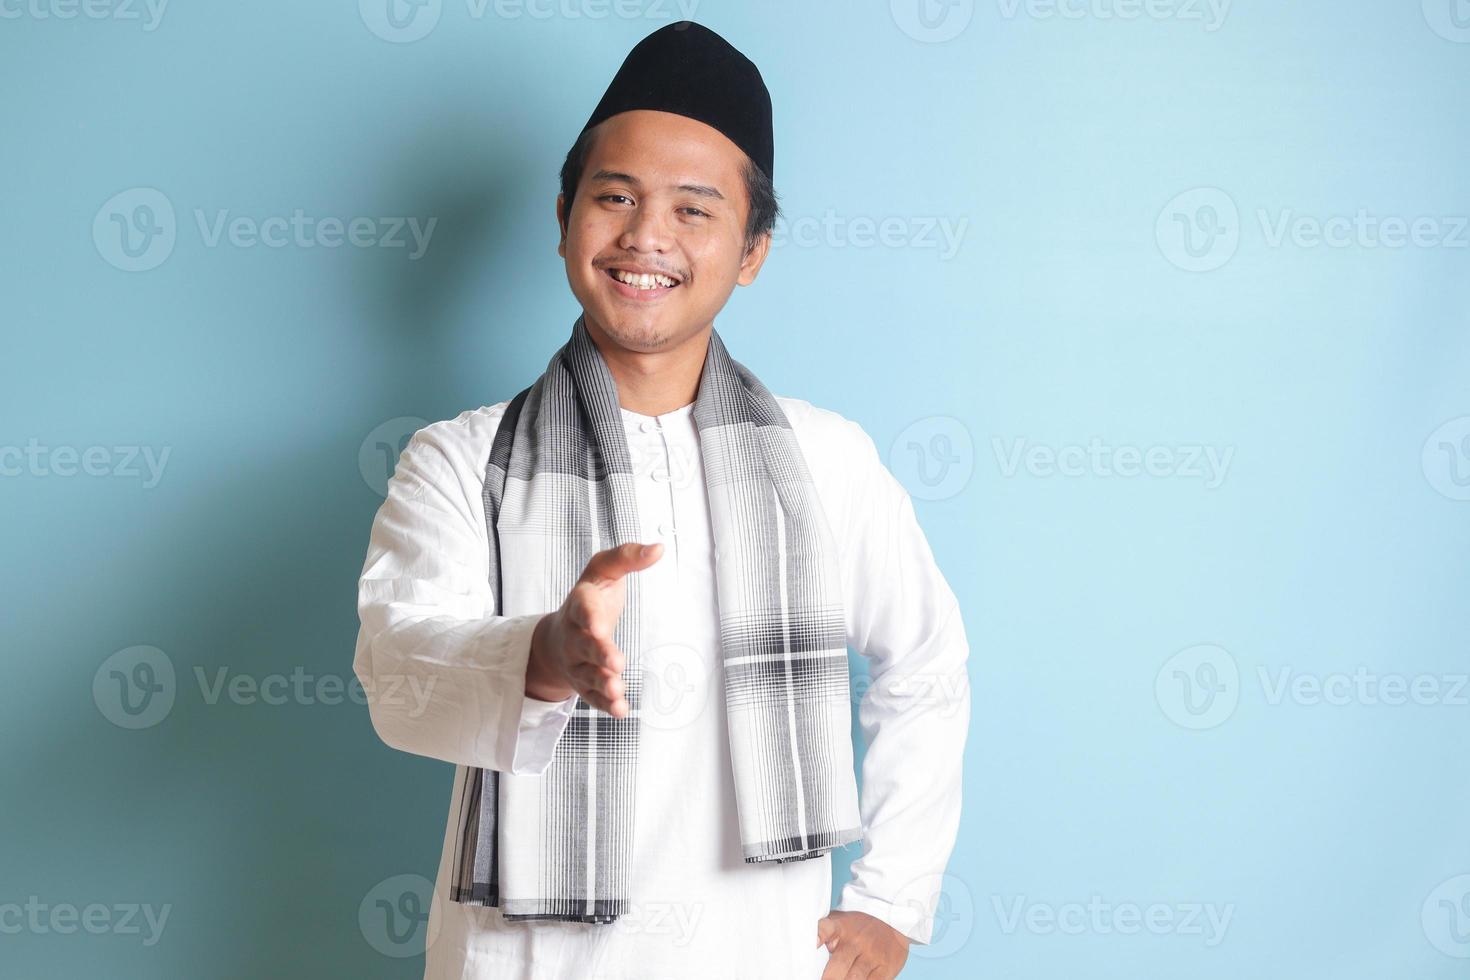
<point x="541" y="683"/>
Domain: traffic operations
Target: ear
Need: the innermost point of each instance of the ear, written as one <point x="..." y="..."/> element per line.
<point x="750" y="266"/>
<point x="561" y="221"/>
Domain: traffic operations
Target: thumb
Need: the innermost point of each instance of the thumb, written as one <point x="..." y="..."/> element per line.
<point x="826" y="930"/>
<point x="614" y="563"/>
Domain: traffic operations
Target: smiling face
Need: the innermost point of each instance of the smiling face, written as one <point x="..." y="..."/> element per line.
<point x="663" y="196"/>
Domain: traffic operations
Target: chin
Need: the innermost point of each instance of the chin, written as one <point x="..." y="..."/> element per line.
<point x="647" y="332"/>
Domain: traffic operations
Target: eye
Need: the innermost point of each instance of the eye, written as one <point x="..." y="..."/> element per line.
<point x="694" y="210"/>
<point x="608" y="197"/>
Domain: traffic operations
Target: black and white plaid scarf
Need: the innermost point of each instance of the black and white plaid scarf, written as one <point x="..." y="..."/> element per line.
<point x="559" y="486"/>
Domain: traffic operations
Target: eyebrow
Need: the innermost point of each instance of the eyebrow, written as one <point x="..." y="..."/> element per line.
<point x="611" y="176"/>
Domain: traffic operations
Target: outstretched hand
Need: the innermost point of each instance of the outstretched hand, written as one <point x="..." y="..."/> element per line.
<point x="572" y="649"/>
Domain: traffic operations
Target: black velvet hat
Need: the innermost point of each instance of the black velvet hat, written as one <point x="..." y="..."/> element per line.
<point x="688" y="69"/>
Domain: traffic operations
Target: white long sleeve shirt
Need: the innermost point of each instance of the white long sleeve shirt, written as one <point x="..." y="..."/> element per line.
<point x="429" y="624"/>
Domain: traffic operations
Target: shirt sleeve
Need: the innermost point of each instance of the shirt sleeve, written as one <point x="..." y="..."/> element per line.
<point x="904" y="618"/>
<point x="445" y="676"/>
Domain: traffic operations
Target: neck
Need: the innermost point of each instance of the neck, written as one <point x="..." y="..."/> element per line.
<point x="654" y="382"/>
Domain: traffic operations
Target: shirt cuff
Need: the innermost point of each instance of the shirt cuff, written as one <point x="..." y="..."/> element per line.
<point x="907" y="919"/>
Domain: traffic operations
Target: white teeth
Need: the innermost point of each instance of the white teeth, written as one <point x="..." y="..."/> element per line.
<point x="642" y="280"/>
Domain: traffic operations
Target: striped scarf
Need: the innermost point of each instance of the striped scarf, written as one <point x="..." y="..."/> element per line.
<point x="559" y="486"/>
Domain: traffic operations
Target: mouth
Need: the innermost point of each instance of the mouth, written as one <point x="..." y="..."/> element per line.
<point x="641" y="286"/>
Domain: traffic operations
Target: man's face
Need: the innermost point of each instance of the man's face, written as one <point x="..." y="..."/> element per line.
<point x="660" y="193"/>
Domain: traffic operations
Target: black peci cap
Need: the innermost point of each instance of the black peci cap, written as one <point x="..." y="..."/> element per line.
<point x="688" y="69"/>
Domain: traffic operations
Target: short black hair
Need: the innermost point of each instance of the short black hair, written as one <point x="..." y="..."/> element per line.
<point x="764" y="206"/>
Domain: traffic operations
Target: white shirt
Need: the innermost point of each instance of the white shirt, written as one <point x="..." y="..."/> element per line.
<point x="429" y="624"/>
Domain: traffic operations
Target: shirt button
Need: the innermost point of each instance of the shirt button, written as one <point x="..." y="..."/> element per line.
<point x="661" y="476"/>
<point x="647" y="426"/>
<point x="666" y="528"/>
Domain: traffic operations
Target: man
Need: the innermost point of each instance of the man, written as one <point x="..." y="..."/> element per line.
<point x="653" y="743"/>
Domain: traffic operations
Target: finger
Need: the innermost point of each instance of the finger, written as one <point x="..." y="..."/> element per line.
<point x="839" y="963"/>
<point x="826" y="929"/>
<point x="605" y="694"/>
<point x="608" y="566"/>
<point x="596" y="682"/>
<point x="602" y="654"/>
<point x="617" y="707"/>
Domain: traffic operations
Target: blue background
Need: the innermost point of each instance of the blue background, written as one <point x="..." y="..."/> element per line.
<point x="1073" y="309"/>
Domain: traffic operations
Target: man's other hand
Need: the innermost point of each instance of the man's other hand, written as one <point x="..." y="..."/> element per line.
<point x="862" y="947"/>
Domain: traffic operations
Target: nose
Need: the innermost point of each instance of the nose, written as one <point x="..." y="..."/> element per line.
<point x="644" y="231"/>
